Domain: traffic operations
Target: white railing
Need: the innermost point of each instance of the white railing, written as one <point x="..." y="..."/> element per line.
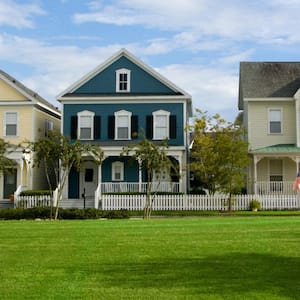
<point x="33" y="201"/>
<point x="131" y="187"/>
<point x="199" y="202"/>
<point x="275" y="187"/>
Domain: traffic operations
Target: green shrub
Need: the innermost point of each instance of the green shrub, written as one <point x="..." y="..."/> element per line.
<point x="254" y="205"/>
<point x="35" y="193"/>
<point x="116" y="214"/>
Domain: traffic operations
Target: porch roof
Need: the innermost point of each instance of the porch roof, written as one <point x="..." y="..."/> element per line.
<point x="277" y="149"/>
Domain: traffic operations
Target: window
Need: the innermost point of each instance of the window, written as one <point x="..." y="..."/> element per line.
<point x="48" y="126"/>
<point x="122" y="125"/>
<point x="161" y="124"/>
<point x="275" y="116"/>
<point x="123" y="80"/>
<point x="86" y="125"/>
<point x="11" y="121"/>
<point x="89" y="175"/>
<point x="117" y="171"/>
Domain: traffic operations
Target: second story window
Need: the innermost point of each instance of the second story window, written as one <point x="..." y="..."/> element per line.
<point x="11" y="124"/>
<point x="48" y="126"/>
<point x="123" y="81"/>
<point x="275" y="121"/>
<point x="86" y="125"/>
<point x="122" y="125"/>
<point x="161" y="124"/>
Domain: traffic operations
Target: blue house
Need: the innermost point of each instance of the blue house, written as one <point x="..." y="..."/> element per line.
<point x="115" y="105"/>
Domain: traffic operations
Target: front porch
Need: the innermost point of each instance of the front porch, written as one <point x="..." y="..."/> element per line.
<point x="275" y="187"/>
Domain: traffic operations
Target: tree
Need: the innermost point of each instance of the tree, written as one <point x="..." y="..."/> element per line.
<point x="153" y="159"/>
<point x="219" y="154"/>
<point x="5" y="163"/>
<point x="57" y="155"/>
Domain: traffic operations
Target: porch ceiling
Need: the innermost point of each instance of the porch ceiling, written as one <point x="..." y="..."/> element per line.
<point x="277" y="149"/>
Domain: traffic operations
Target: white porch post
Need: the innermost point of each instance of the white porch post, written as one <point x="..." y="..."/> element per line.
<point x="255" y="160"/>
<point x="140" y="175"/>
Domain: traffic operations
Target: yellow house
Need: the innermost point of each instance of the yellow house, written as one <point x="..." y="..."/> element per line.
<point x="24" y="115"/>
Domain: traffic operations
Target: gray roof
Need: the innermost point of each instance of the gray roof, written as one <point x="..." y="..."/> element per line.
<point x="268" y="79"/>
<point x="29" y="92"/>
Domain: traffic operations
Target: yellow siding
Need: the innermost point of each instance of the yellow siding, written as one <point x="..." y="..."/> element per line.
<point x="258" y="124"/>
<point x="7" y="93"/>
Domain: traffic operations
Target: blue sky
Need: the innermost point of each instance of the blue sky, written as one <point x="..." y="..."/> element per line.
<point x="197" y="44"/>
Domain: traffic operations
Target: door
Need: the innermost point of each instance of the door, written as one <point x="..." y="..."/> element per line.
<point x="89" y="179"/>
<point x="9" y="183"/>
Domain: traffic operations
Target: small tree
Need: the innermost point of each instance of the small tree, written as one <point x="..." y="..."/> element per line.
<point x="219" y="154"/>
<point x="153" y="160"/>
<point x="5" y="163"/>
<point x="57" y="154"/>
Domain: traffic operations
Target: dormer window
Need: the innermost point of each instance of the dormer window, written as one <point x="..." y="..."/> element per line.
<point x="123" y="81"/>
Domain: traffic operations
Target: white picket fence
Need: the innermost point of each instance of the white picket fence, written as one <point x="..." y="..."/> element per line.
<point x="170" y="202"/>
<point x="199" y="202"/>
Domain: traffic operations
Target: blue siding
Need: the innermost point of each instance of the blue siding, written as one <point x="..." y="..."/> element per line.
<point x="141" y="81"/>
<point x="141" y="110"/>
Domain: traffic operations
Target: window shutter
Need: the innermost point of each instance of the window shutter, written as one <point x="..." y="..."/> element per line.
<point x="111" y="127"/>
<point x="149" y="127"/>
<point x="173" y="127"/>
<point x="97" y="127"/>
<point x="134" y="127"/>
<point x="74" y="124"/>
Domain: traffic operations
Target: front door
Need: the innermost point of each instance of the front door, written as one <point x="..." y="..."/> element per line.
<point x="89" y="179"/>
<point x="9" y="183"/>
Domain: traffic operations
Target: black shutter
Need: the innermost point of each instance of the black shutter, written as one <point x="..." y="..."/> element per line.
<point x="74" y="125"/>
<point x="134" y="127"/>
<point x="97" y="127"/>
<point x="173" y="127"/>
<point x="111" y="127"/>
<point x="149" y="127"/>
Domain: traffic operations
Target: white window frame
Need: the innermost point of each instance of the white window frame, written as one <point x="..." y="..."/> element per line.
<point x="156" y="131"/>
<point x="118" y="115"/>
<point x="269" y="119"/>
<point x="5" y="123"/>
<point x="85" y="114"/>
<point x="114" y="166"/>
<point x="118" y="80"/>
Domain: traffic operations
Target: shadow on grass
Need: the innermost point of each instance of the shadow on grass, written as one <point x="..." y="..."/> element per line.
<point x="236" y="274"/>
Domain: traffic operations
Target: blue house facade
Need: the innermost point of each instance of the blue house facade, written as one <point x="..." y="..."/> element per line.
<point x="118" y="103"/>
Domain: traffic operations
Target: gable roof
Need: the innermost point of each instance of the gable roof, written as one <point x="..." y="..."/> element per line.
<point x="268" y="79"/>
<point x="28" y="93"/>
<point x="122" y="53"/>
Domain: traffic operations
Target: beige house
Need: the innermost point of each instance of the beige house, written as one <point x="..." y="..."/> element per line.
<point x="24" y="115"/>
<point x="269" y="97"/>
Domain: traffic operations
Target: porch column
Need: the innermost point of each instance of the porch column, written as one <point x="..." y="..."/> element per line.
<point x="140" y="175"/>
<point x="182" y="188"/>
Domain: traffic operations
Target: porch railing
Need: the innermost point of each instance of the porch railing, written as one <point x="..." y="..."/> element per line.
<point x="275" y="187"/>
<point x="119" y="187"/>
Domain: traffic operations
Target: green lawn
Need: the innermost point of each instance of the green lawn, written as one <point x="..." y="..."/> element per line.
<point x="178" y="258"/>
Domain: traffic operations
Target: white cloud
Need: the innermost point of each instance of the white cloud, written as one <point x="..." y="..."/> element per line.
<point x="18" y="15"/>
<point x="232" y="19"/>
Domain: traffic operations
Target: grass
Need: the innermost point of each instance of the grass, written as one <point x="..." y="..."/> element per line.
<point x="177" y="258"/>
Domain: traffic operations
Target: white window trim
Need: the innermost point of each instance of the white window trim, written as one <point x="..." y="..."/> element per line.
<point x="17" y="124"/>
<point x="269" y="120"/>
<point x="114" y="165"/>
<point x="122" y="113"/>
<point x="85" y="113"/>
<point x="160" y="113"/>
<point x="123" y="71"/>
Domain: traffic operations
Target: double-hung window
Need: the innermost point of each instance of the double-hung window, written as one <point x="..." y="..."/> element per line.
<point x="86" y="125"/>
<point x="275" y="121"/>
<point x="117" y="171"/>
<point x="161" y="124"/>
<point x="123" y="80"/>
<point x="11" y="124"/>
<point x="122" y="125"/>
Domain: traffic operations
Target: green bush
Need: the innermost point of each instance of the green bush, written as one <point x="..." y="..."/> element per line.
<point x="35" y="193"/>
<point x="254" y="205"/>
<point x="116" y="214"/>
